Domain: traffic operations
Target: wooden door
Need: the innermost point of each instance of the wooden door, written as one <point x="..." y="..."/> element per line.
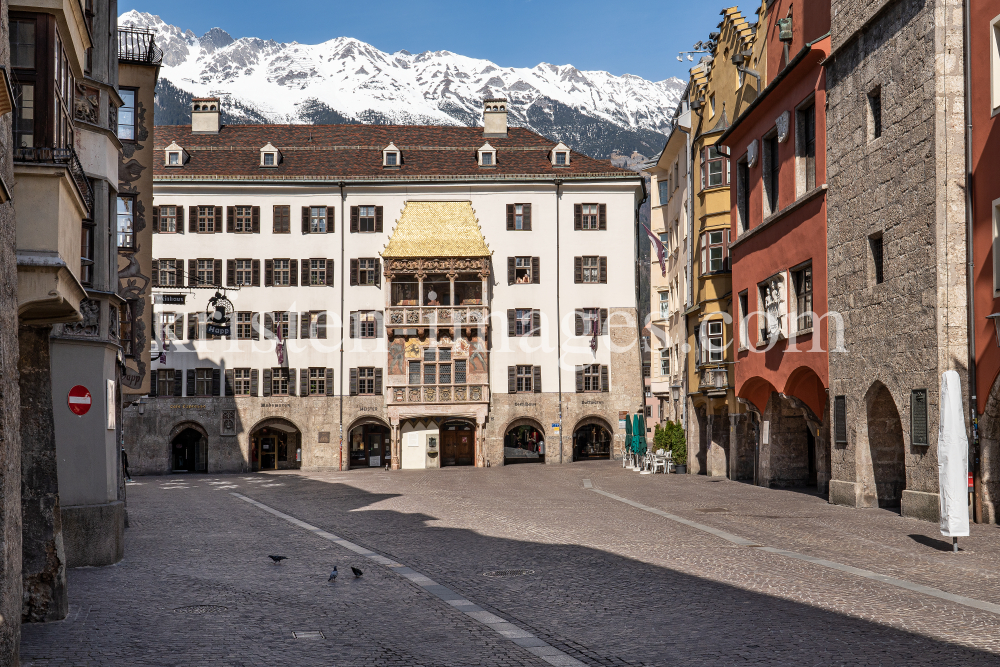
<point x="449" y="440"/>
<point x="464" y="447"/>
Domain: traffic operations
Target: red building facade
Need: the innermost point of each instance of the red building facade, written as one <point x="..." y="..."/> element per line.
<point x="779" y="250"/>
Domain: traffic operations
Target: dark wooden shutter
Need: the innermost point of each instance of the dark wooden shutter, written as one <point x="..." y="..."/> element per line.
<point x="293" y="325"/>
<point x="292" y="384"/>
<point x="579" y="379"/>
<point x="230" y="273"/>
<point x="255" y="326"/>
<point x="378" y="381"/>
<point x="179" y="328"/>
<point x="306" y="265"/>
<point x="725" y="253"/>
<point x="321" y="325"/>
<point x="604" y="321"/>
<point x="578" y="269"/>
<point x="192" y="326"/>
<point x="267" y="382"/>
<point x="156" y="219"/>
<point x="329" y="382"/>
<point x="354" y="272"/>
<point x="254" y="381"/>
<point x="354" y="221"/>
<point x="378" y="273"/>
<point x="536" y="323"/>
<point x="603" y="262"/>
<point x="510" y="270"/>
<point x="255" y="219"/>
<point x="511" y="322"/>
<point x="303" y="382"/>
<point x="840" y="419"/>
<point x="578" y="322"/>
<point x="329" y="273"/>
<point x="305" y="219"/>
<point x="192" y="219"/>
<point x="218" y="219"/>
<point x="153" y="377"/>
<point x="536" y="274"/>
<point x="268" y="326"/>
<point x="331" y="225"/>
<point x="268" y="272"/>
<point x="577" y="217"/>
<point x="378" y="224"/>
<point x="156" y="272"/>
<point x="536" y="379"/>
<point x="191" y="386"/>
<point x="255" y="273"/>
<point x="510" y="217"/>
<point x="704" y="254"/>
<point x="192" y="272"/>
<point x="354" y="382"/>
<point x="304" y="325"/>
<point x="379" y="324"/>
<point x="605" y="385"/>
<point x="602" y="216"/>
<point x="293" y="272"/>
<point x="512" y="379"/>
<point x="217" y="272"/>
<point x="216" y="382"/>
<point x="230" y="382"/>
<point x="353" y="324"/>
<point x="526" y="215"/>
<point x="180" y="220"/>
<point x="230" y="219"/>
<point x="704" y="164"/>
<point x="178" y="382"/>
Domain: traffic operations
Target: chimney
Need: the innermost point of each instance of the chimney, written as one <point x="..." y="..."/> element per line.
<point x="205" y="114"/>
<point x="495" y="117"/>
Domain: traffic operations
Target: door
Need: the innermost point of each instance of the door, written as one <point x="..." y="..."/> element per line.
<point x="448" y="447"/>
<point x="464" y="448"/>
<point x="268" y="453"/>
<point x="374" y="442"/>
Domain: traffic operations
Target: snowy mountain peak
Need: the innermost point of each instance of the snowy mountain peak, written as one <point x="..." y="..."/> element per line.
<point x="347" y="80"/>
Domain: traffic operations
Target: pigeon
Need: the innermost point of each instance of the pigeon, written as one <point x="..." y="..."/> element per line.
<point x="333" y="575"/>
<point x="278" y="559"/>
<point x="356" y="571"/>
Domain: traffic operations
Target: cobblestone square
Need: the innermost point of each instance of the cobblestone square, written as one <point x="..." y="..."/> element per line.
<point x="605" y="567"/>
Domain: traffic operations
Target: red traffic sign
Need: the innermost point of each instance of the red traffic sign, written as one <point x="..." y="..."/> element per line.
<point x="79" y="400"/>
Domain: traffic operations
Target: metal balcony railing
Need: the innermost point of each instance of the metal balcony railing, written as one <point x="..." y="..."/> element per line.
<point x="65" y="157"/>
<point x="137" y="45"/>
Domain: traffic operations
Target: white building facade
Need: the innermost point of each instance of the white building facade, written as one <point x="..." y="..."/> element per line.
<point x="425" y="283"/>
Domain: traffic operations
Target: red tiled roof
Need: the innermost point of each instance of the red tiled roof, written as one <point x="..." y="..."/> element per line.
<point x="352" y="152"/>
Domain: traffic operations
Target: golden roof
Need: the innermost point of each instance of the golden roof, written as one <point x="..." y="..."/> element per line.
<point x="437" y="229"/>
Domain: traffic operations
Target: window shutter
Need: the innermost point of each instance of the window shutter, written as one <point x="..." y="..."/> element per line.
<point x="353" y="324"/>
<point x="192" y="272"/>
<point x="579" y="379"/>
<point x="179" y="328"/>
<point x="511" y="322"/>
<point x="156" y="273"/>
<point x="602" y="216"/>
<point x="230" y="273"/>
<point x="306" y="264"/>
<point x="354" y="382"/>
<point x="526" y="214"/>
<point x="291" y="381"/>
<point x="704" y="254"/>
<point x="536" y="379"/>
<point x="510" y="217"/>
<point x="378" y="225"/>
<point x="354" y="272"/>
<point x="267" y="382"/>
<point x="268" y="326"/>
<point x="192" y="326"/>
<point x="704" y="166"/>
<point x="218" y="219"/>
<point x="230" y="382"/>
<point x="535" y="273"/>
<point x="178" y="382"/>
<point x="331" y="218"/>
<point x="191" y="387"/>
<point x="379" y="317"/>
<point x="378" y="273"/>
<point x="578" y="269"/>
<point x="293" y="273"/>
<point x="216" y="382"/>
<point x="510" y="270"/>
<point x="255" y="273"/>
<point x="180" y="219"/>
<point x="305" y="219"/>
<point x="578" y="322"/>
<point x="253" y="381"/>
<point x="512" y="379"/>
<point x="603" y="262"/>
<point x="321" y="325"/>
<point x="536" y="323"/>
<point x="726" y="171"/>
<point x="156" y="219"/>
<point x="378" y="381"/>
<point x="217" y="272"/>
<point x="255" y="326"/>
<point x="329" y="382"/>
<point x="255" y="219"/>
<point x="725" y="253"/>
<point x="604" y="321"/>
<point x="354" y="220"/>
<point x="840" y="419"/>
<point x="268" y="272"/>
<point x="293" y="325"/>
<point x="605" y="385"/>
<point x="577" y="217"/>
<point x="152" y="382"/>
<point x="329" y="273"/>
<point x="193" y="219"/>
<point x="304" y="325"/>
<point x="303" y="382"/>
<point x="230" y="219"/>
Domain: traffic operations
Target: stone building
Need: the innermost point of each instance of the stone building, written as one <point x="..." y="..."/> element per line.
<point x="350" y="295"/>
<point x="896" y="239"/>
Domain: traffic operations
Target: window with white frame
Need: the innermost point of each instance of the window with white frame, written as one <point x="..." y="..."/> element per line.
<point x="282" y="272"/>
<point x="244" y="218"/>
<point x="241" y="381"/>
<point x="173" y="158"/>
<point x="802" y="283"/>
<point x="715" y="348"/>
<point x="664" y="304"/>
<point x="170" y="327"/>
<point x="317" y="381"/>
<point x="744" y="315"/>
<point x="317" y="219"/>
<point x="366" y="218"/>
<point x="243" y="325"/>
<point x="995" y="63"/>
<point x="665" y="361"/>
<point x="244" y="271"/>
<point x="664" y="188"/>
<point x="168" y="219"/>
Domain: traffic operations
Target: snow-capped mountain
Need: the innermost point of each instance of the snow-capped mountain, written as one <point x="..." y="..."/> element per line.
<point x="345" y="80"/>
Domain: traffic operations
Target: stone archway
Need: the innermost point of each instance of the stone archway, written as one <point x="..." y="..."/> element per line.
<point x="369" y="442"/>
<point x="593" y="438"/>
<point x="275" y="444"/>
<point x="524" y="441"/>
<point x="886" y="448"/>
<point x="187" y="448"/>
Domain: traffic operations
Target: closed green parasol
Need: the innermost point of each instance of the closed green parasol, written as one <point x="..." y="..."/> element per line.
<point x="639" y="435"/>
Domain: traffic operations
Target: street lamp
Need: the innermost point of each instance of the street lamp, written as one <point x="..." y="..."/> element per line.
<point x="675" y="392"/>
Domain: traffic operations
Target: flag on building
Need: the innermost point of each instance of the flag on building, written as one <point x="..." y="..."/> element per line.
<point x="595" y="329"/>
<point x="280" y="347"/>
<point x="661" y="251"/>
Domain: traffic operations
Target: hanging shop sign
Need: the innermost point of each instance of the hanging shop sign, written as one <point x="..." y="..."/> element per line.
<point x="178" y="299"/>
<point x="220" y="310"/>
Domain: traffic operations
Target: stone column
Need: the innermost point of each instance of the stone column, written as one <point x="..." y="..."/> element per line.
<point x="394" y="444"/>
<point x="480" y="445"/>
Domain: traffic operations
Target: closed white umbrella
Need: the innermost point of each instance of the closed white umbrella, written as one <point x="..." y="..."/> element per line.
<point x="953" y="460"/>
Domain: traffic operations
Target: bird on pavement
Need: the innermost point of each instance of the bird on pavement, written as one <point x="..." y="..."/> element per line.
<point x="278" y="559"/>
<point x="356" y="571"/>
<point x="333" y="575"/>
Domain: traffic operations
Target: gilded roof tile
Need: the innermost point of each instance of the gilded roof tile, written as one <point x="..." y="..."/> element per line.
<point x="437" y="229"/>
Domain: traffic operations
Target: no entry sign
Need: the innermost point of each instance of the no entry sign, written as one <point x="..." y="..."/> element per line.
<point x="79" y="400"/>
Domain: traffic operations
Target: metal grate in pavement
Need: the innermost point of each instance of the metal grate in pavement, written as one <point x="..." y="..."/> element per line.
<point x="308" y="634"/>
<point x="507" y="573"/>
<point x="711" y="510"/>
<point x="202" y="609"/>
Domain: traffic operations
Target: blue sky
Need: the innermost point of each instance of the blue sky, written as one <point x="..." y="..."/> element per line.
<point x="635" y="37"/>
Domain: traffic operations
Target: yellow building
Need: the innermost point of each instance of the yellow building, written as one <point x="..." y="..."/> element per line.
<point x="718" y="93"/>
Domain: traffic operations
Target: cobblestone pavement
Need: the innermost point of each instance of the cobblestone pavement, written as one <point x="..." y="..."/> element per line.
<point x="610" y="584"/>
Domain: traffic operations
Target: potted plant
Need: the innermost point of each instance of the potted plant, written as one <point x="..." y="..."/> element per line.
<point x="678" y="447"/>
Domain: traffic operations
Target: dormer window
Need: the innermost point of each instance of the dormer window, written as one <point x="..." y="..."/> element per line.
<point x="560" y="155"/>
<point x="487" y="159"/>
<point x="390" y="157"/>
<point x="487" y="156"/>
<point x="174" y="155"/>
<point x="561" y="159"/>
<point x="174" y="159"/>
<point x="268" y="159"/>
<point x="269" y="156"/>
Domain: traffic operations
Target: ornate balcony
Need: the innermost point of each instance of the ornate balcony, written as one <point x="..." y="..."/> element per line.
<point x="713" y="381"/>
<point x="462" y="393"/>
<point x="408" y="317"/>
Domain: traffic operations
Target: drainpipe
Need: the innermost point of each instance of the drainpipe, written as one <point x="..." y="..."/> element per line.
<point x="977" y="476"/>
<point x="690" y="267"/>
<point x="559" y="323"/>
<point x="340" y="390"/>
